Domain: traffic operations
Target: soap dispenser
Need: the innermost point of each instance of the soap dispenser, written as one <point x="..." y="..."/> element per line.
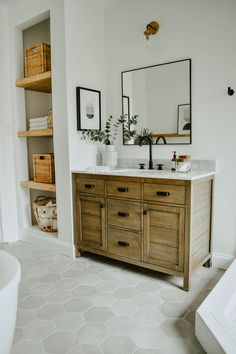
<point x="173" y="161"/>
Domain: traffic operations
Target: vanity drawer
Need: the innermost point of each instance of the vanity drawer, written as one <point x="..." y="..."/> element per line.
<point x="124" y="243"/>
<point x="123" y="189"/>
<point x="124" y="214"/>
<point x="165" y="193"/>
<point x="90" y="186"/>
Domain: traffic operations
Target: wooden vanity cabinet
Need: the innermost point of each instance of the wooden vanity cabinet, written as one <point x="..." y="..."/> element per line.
<point x="160" y="224"/>
<point x="91" y="222"/>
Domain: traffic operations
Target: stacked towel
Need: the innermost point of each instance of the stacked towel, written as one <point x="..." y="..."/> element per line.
<point x="40" y="123"/>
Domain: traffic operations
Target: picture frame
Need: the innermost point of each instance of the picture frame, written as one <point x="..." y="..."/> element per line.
<point x="88" y="102"/>
<point x="184" y="119"/>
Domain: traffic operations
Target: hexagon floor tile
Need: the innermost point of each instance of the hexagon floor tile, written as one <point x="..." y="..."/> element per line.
<point x="93" y="305"/>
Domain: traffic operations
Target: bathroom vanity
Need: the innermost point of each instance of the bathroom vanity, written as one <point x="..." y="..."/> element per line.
<point x="160" y="221"/>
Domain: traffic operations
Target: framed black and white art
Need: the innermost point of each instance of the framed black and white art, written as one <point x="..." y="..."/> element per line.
<point x="88" y="109"/>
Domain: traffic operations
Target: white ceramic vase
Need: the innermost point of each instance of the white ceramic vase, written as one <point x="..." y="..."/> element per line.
<point x="110" y="156"/>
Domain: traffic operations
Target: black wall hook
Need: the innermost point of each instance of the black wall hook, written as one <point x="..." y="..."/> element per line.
<point x="230" y="91"/>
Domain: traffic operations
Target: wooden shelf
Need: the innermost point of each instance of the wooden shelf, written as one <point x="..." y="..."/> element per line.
<point x="41" y="82"/>
<point x="39" y="186"/>
<point x="36" y="133"/>
<point x="171" y="135"/>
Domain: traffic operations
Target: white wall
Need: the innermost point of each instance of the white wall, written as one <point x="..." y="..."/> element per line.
<point x="21" y="17"/>
<point x="8" y="206"/>
<point x="77" y="35"/>
<point x="204" y="31"/>
<point x="84" y="31"/>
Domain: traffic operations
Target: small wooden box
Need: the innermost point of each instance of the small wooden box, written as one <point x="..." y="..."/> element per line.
<point x="37" y="59"/>
<point x="43" y="167"/>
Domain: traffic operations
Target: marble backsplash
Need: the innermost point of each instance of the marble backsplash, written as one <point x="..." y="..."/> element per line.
<point x="196" y="165"/>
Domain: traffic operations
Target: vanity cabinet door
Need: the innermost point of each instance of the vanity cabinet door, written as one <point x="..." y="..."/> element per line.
<point x="164" y="236"/>
<point x="91" y="222"/>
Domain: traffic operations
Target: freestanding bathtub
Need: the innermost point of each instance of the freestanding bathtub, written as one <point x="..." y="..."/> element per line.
<point x="10" y="274"/>
<point x="215" y="325"/>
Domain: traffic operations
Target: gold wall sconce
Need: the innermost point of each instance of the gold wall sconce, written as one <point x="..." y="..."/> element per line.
<point x="151" y="29"/>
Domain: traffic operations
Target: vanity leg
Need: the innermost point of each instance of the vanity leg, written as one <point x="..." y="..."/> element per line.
<point x="187" y="281"/>
<point x="77" y="252"/>
<point x="208" y="263"/>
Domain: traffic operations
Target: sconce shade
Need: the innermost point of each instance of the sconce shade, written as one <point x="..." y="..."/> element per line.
<point x="151" y="29"/>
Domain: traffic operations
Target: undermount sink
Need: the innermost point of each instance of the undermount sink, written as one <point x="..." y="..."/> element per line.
<point x="140" y="171"/>
<point x="135" y="172"/>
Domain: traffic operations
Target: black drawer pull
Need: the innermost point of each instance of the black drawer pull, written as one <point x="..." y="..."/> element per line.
<point x="163" y="194"/>
<point x="123" y="214"/>
<point x="123" y="189"/>
<point x="89" y="186"/>
<point x="145" y="212"/>
<point x="123" y="244"/>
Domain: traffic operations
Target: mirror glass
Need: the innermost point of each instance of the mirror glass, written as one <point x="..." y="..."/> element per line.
<point x="161" y="97"/>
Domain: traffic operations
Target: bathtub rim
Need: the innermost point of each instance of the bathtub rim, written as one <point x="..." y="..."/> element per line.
<point x="11" y="275"/>
<point x="205" y="313"/>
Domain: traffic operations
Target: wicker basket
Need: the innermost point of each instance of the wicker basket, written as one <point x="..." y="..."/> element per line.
<point x="46" y="215"/>
<point x="37" y="59"/>
<point x="43" y="168"/>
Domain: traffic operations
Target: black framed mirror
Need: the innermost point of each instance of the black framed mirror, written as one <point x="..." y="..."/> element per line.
<point x="161" y="97"/>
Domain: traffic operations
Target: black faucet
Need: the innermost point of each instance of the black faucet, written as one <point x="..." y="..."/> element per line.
<point x="161" y="137"/>
<point x="148" y="140"/>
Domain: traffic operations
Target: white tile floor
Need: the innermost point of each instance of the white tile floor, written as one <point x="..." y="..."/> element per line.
<point x="94" y="305"/>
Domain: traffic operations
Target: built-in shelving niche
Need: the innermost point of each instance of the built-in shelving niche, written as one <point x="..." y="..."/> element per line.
<point x="38" y="101"/>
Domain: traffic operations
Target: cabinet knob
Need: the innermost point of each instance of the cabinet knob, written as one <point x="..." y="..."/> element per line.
<point x="163" y="194"/>
<point x="102" y="206"/>
<point x="145" y="212"/>
<point x="123" y="244"/>
<point x="123" y="214"/>
<point x="89" y="186"/>
<point x="123" y="189"/>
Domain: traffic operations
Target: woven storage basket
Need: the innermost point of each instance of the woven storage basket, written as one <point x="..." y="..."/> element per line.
<point x="37" y="59"/>
<point x="43" y="168"/>
<point x="46" y="215"/>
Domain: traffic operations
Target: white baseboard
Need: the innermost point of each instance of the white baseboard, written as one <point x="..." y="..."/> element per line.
<point x="221" y="261"/>
<point x="46" y="240"/>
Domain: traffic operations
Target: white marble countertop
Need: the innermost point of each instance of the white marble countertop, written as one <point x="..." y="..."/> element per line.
<point x="132" y="172"/>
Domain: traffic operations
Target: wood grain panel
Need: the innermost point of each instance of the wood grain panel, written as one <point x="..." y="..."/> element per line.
<point x="132" y="209"/>
<point x="90" y="186"/>
<point x="176" y="193"/>
<point x="40" y="133"/>
<point x="169" y="255"/>
<point x="50" y="187"/>
<point x="40" y="82"/>
<point x="164" y="236"/>
<point x="201" y="221"/>
<point x="131" y="241"/>
<point x="86" y="221"/>
<point x="91" y="222"/>
<point x="161" y="218"/>
<point x="124" y="189"/>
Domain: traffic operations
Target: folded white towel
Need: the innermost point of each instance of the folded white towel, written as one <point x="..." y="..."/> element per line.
<point x="38" y="124"/>
<point x="42" y="125"/>
<point x="37" y="128"/>
<point x="38" y="120"/>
